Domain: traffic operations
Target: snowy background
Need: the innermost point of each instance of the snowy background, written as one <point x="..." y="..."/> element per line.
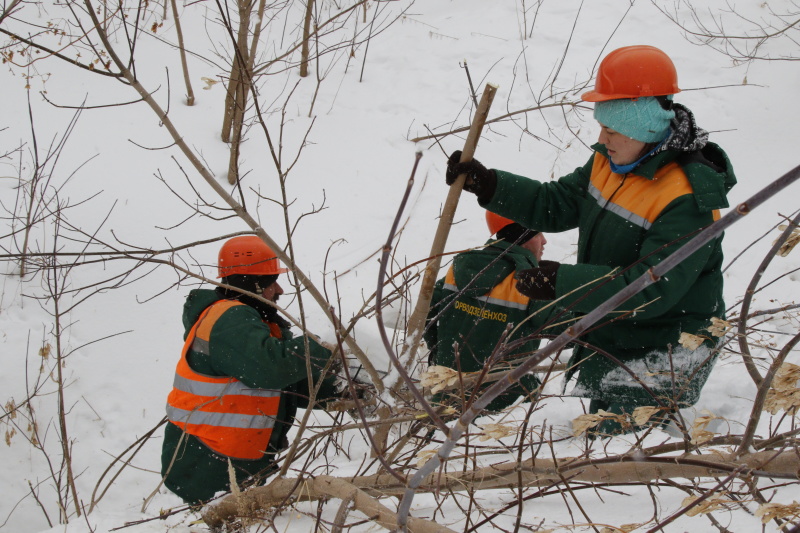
<point x="121" y="179"/>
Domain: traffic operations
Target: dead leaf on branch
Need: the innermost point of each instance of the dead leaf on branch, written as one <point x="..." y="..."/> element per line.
<point x="770" y="511"/>
<point x="701" y="436"/>
<point x="10" y="435"/>
<point x="438" y="378"/>
<point x="209" y="83"/>
<point x="11" y="409"/>
<point x="709" y="505"/>
<point x="790" y="243"/>
<point x="441" y="410"/>
<point x="585" y="422"/>
<point x="786" y="377"/>
<point x="786" y="401"/>
<point x="496" y="431"/>
<point x="719" y="327"/>
<point x="699" y="431"/>
<point x="424" y="456"/>
<point x="624" y="528"/>
<point x="642" y="415"/>
<point x="784" y="393"/>
<point x="690" y="342"/>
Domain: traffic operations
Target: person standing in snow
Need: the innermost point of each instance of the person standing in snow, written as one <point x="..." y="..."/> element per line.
<point x="473" y="305"/>
<point x="653" y="181"/>
<point x="240" y="379"/>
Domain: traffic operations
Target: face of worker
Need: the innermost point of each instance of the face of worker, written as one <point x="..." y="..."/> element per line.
<point x="536" y="245"/>
<point x="272" y="292"/>
<point x="622" y="150"/>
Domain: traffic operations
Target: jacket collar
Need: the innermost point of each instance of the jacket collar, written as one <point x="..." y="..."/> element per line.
<point x="514" y="250"/>
<point x="649" y="167"/>
<point x="483" y="267"/>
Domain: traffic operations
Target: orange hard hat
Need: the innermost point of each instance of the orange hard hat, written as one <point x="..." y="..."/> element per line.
<point x="633" y="72"/>
<point x="247" y="254"/>
<point x="496" y="222"/>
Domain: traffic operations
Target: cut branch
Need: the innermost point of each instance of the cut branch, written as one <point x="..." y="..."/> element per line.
<point x="532" y="472"/>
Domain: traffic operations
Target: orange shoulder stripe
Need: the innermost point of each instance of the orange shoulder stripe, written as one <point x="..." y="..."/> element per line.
<point x="639" y="200"/>
<point x="214" y="312"/>
<point x="504" y="294"/>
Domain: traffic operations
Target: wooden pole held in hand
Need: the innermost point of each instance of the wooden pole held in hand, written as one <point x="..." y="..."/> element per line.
<point x="416" y="322"/>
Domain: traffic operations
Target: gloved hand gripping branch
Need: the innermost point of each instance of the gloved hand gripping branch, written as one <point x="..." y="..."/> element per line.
<point x="480" y="181"/>
<point x="539" y="283"/>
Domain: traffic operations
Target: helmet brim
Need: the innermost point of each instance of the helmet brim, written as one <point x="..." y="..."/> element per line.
<point x="594" y="96"/>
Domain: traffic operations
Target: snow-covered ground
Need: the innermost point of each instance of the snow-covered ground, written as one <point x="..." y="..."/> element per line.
<point x="122" y="344"/>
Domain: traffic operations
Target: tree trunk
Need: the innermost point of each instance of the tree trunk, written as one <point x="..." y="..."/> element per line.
<point x="238" y="74"/>
<point x="240" y="90"/>
<point x="306" y="32"/>
<point x="184" y="64"/>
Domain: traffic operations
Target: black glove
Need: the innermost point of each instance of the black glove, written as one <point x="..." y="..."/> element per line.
<point x="480" y="181"/>
<point x="539" y="283"/>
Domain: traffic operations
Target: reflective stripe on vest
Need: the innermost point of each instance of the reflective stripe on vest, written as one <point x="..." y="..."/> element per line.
<point x="222" y="412"/>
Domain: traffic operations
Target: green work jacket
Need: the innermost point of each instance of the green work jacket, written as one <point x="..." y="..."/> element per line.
<point x="626" y="225"/>
<point x="241" y="345"/>
<point x="472" y="307"/>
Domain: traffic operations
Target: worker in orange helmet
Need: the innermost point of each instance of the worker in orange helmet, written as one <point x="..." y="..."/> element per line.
<point x="474" y="304"/>
<point x="651" y="182"/>
<point x="240" y="379"/>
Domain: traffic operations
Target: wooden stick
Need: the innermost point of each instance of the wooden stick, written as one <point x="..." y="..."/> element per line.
<point x="416" y="322"/>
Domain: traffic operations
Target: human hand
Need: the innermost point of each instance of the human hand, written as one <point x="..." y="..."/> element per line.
<point x="480" y="181"/>
<point x="539" y="283"/>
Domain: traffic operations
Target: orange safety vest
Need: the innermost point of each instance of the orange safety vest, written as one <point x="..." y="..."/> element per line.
<point x="225" y="414"/>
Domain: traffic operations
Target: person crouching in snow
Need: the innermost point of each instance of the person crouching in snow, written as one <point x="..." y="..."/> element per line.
<point x="474" y="303"/>
<point x="652" y="182"/>
<point x="240" y="379"/>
